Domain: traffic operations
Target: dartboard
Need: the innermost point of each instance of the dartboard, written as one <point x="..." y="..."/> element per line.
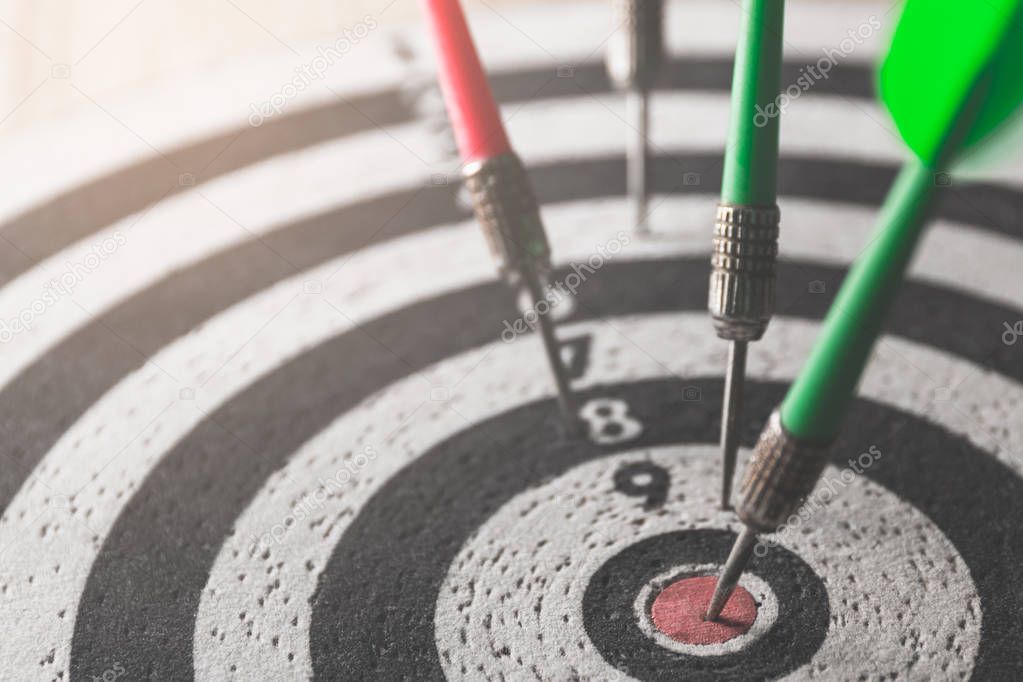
<point x="268" y="413"/>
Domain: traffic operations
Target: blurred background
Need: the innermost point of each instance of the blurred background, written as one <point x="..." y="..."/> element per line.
<point x="104" y="48"/>
<point x="56" y="54"/>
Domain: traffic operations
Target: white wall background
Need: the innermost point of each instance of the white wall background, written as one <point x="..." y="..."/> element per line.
<point x="56" y="55"/>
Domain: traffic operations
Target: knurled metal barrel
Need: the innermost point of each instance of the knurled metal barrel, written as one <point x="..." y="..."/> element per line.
<point x="635" y="47"/>
<point x="741" y="299"/>
<point x="506" y="208"/>
<point x="780" y="475"/>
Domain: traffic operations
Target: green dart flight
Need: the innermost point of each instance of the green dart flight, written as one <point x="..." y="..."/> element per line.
<point x="952" y="78"/>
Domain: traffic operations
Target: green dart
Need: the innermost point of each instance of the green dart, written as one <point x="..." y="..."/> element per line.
<point x="741" y="298"/>
<point x="952" y="77"/>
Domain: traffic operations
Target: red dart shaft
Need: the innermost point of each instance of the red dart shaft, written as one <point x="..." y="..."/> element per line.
<point x="471" y="107"/>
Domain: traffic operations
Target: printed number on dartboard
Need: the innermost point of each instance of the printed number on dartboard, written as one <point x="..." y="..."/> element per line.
<point x="609" y="422"/>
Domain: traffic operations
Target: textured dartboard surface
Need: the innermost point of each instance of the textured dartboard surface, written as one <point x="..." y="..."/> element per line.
<point x="266" y="414"/>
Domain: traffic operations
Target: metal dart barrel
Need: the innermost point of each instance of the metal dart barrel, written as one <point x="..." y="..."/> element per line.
<point x="633" y="57"/>
<point x="741" y="302"/>
<point x="780" y="475"/>
<point x="507" y="210"/>
<point x="742" y="287"/>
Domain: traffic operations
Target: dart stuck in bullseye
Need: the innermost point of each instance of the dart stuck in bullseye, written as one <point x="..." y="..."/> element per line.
<point x="943" y="110"/>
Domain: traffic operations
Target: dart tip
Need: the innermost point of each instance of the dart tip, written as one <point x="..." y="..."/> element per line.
<point x="735" y="378"/>
<point x="717" y="603"/>
<point x="552" y="349"/>
<point x="740" y="555"/>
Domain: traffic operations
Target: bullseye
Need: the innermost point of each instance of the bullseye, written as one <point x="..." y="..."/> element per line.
<point x="679" y="609"/>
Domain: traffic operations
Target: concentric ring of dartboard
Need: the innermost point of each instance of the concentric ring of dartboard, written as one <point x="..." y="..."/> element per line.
<point x="505" y="516"/>
<point x="796" y="622"/>
<point x="261" y="458"/>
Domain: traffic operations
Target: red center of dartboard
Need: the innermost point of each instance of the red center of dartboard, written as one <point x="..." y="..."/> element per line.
<point x="678" y="612"/>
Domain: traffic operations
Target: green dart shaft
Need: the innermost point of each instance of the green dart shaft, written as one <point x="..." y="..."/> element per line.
<point x="989" y="92"/>
<point x="816" y="403"/>
<point x="751" y="158"/>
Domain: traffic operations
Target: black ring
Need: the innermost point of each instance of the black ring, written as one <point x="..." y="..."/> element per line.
<point x="206" y="480"/>
<point x="383" y="578"/>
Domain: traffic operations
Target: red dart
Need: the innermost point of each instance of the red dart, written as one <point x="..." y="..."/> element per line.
<point x="471" y="107"/>
<point x="502" y="197"/>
